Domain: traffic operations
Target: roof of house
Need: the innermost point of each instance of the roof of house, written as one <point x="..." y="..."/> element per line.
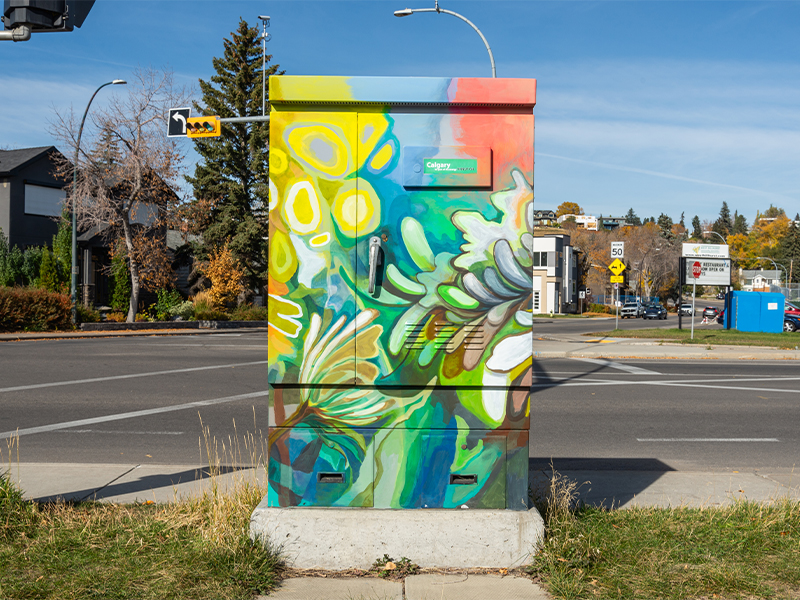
<point x="12" y="160"/>
<point x="771" y="274"/>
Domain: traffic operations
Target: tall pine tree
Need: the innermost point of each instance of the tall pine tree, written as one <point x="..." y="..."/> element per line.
<point x="230" y="183"/>
<point x="697" y="229"/>
<point x="724" y="224"/>
<point x="789" y="250"/>
<point x="631" y="218"/>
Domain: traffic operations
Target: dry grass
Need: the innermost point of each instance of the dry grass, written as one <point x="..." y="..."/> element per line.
<point x="194" y="548"/>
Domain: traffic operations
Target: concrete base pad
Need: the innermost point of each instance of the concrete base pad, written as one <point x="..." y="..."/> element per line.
<point x="344" y="538"/>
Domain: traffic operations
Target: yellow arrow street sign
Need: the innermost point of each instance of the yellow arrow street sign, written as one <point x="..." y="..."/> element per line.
<point x="617" y="267"/>
<point x="617" y="279"/>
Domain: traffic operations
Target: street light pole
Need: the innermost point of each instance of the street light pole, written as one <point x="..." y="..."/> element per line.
<point x="410" y="11"/>
<point x="264" y="38"/>
<point x="776" y="265"/>
<point x="73" y="288"/>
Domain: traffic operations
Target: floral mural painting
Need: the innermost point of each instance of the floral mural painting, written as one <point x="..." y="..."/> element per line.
<point x="415" y="395"/>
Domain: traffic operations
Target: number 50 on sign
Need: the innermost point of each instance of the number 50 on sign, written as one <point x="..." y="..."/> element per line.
<point x="617" y="249"/>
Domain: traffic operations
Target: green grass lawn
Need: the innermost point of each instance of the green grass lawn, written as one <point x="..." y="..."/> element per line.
<point x="747" y="550"/>
<point x="703" y="336"/>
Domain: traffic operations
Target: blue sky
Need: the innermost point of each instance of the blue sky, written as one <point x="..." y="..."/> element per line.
<point x="661" y="106"/>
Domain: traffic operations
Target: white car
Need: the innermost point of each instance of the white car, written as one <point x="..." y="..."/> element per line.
<point x="632" y="309"/>
<point x="686" y="310"/>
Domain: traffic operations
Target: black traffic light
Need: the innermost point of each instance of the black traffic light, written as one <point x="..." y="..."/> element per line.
<point x="46" y="15"/>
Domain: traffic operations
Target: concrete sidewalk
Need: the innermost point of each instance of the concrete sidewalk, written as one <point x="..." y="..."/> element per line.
<point x="622" y="488"/>
<point x="444" y="586"/>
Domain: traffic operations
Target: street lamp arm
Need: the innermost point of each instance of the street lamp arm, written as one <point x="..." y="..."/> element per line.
<point x="478" y="31"/>
<point x="74" y="275"/>
<point x="408" y="11"/>
<point x="776" y="265"/>
<point x="719" y="235"/>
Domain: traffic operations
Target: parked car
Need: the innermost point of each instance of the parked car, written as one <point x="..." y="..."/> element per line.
<point x="710" y="312"/>
<point x="631" y="309"/>
<point x="791" y="309"/>
<point x="791" y="323"/>
<point x="686" y="310"/>
<point x="721" y="296"/>
<point x="654" y="311"/>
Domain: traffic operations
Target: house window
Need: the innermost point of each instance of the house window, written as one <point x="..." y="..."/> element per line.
<point x="44" y="201"/>
<point x="540" y="259"/>
<point x="535" y="302"/>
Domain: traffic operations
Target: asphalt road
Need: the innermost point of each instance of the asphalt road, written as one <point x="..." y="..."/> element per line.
<point x="160" y="400"/>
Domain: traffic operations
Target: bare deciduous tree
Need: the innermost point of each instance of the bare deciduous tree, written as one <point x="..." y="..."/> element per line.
<point x="128" y="174"/>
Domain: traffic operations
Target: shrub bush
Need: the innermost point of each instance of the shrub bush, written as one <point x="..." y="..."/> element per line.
<point x="116" y="317"/>
<point x="184" y="310"/>
<point x="202" y="302"/>
<point x="248" y="312"/>
<point x="87" y="314"/>
<point x="599" y="308"/>
<point x="33" y="309"/>
<point x="210" y="315"/>
<point x="167" y="301"/>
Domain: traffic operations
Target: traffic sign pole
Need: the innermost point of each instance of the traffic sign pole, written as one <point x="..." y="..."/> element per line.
<point x="697" y="270"/>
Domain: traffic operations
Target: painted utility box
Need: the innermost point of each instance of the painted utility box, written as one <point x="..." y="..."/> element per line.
<point x="400" y="288"/>
<point x="755" y="311"/>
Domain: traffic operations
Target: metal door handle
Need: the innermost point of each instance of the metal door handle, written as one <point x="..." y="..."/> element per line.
<point x="374" y="259"/>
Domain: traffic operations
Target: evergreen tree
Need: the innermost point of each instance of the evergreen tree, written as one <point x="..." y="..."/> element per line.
<point x="665" y="224"/>
<point x="739" y="224"/>
<point x="631" y="218"/>
<point x="774" y="212"/>
<point x="31" y="264"/>
<point x="723" y="225"/>
<point x="697" y="229"/>
<point x="230" y="182"/>
<point x="790" y="250"/>
<point x="121" y="281"/>
<point x="11" y="262"/>
<point x="48" y="272"/>
<point x="683" y="220"/>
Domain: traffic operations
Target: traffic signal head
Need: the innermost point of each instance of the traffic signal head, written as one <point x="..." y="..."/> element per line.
<point x="197" y="127"/>
<point x="45" y="15"/>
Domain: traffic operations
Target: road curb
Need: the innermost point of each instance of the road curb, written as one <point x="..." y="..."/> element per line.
<point x="66" y="335"/>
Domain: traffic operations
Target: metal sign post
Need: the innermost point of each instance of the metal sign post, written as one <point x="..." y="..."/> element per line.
<point x="697" y="270"/>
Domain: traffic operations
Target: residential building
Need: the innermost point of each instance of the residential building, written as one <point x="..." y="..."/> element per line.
<point x="31" y="196"/>
<point x="760" y="280"/>
<point x="588" y="222"/>
<point x="544" y="218"/>
<point x="613" y="222"/>
<point x="555" y="273"/>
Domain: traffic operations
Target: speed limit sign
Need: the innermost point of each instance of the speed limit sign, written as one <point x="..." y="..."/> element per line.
<point x="617" y="249"/>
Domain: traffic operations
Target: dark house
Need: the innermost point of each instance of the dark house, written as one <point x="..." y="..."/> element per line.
<point x="544" y="218"/>
<point x="31" y="197"/>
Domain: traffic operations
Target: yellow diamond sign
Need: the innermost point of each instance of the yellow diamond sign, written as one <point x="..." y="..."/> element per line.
<point x="616" y="267"/>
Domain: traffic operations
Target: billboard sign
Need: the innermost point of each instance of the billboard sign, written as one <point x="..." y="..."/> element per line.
<point x="705" y="251"/>
<point x="712" y="271"/>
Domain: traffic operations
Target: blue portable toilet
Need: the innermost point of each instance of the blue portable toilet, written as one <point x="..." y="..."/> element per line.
<point x="755" y="311"/>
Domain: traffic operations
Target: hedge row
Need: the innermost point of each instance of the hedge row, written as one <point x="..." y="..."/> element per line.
<point x="33" y="309"/>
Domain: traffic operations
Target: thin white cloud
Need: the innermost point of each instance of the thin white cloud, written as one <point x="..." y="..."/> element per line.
<point x="664" y="175"/>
